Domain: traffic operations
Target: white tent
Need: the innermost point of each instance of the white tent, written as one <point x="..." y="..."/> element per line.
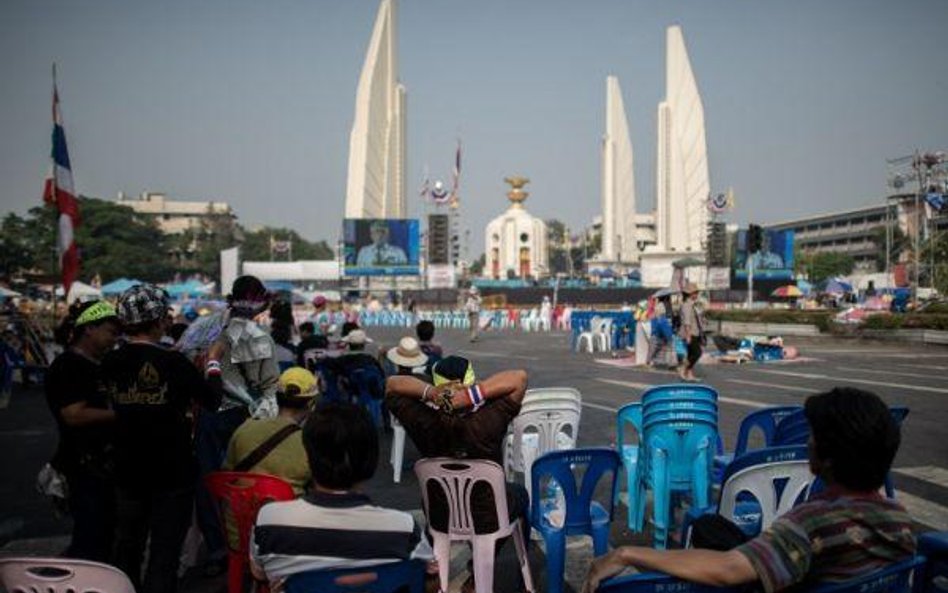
<point x="79" y="291"/>
<point x="304" y="270"/>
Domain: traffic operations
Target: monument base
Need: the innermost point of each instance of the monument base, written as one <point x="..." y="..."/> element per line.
<point x="658" y="268"/>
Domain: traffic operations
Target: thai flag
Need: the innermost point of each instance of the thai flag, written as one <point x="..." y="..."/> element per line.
<point x="59" y="191"/>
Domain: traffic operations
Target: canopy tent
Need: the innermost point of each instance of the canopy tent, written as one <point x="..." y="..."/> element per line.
<point x="303" y="270"/>
<point x="117" y="287"/>
<point x="190" y="288"/>
<point x="664" y="292"/>
<point x="79" y="291"/>
<point x="6" y="293"/>
<point x="804" y="286"/>
<point x="278" y="285"/>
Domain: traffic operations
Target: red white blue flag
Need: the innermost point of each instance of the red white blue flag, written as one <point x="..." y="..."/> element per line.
<point x="59" y="192"/>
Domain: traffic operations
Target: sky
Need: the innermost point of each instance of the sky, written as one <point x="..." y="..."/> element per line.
<point x="251" y="102"/>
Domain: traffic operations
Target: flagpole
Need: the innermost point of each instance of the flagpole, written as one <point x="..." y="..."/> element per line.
<point x="52" y="185"/>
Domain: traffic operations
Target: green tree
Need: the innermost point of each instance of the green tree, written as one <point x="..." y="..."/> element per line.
<point x="898" y="244"/>
<point x="820" y="266"/>
<point x="477" y="266"/>
<point x="256" y="245"/>
<point x="15" y="255"/>
<point x="936" y="250"/>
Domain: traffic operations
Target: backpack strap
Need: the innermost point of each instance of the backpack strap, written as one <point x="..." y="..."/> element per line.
<point x="264" y="448"/>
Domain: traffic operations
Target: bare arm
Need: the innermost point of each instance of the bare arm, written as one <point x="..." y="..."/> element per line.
<point x="707" y="567"/>
<point x="510" y="384"/>
<point x="82" y="414"/>
<point x="405" y="386"/>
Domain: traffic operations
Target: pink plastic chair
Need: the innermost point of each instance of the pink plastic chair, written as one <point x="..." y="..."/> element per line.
<point x="457" y="477"/>
<point x="61" y="575"/>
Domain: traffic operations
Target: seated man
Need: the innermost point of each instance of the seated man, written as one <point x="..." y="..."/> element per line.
<point x="425" y="331"/>
<point x="275" y="445"/>
<point x="335" y="526"/>
<point x="311" y="342"/>
<point x="457" y="417"/>
<point x="408" y="359"/>
<point x="846" y="531"/>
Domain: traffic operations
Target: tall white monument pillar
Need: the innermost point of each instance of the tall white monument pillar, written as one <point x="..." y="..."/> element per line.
<point x="619" y="241"/>
<point x="376" y="182"/>
<point x="681" y="178"/>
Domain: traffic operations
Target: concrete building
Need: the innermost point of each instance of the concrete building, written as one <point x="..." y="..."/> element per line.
<point x="516" y="242"/>
<point x="619" y="236"/>
<point x="682" y="177"/>
<point x="175" y="216"/>
<point x="376" y="181"/>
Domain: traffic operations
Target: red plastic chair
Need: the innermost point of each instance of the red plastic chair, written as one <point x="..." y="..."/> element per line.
<point x="239" y="496"/>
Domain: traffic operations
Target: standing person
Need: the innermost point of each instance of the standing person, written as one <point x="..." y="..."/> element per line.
<point x="78" y="398"/>
<point x="152" y="389"/>
<point x="661" y="327"/>
<point x="241" y="364"/>
<point x="473" y="308"/>
<point x="691" y="332"/>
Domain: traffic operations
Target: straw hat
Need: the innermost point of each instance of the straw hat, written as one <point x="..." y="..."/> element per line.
<point x="357" y="337"/>
<point x="407" y="354"/>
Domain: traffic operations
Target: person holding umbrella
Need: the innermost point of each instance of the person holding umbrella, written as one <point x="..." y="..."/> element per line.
<point x="690" y="331"/>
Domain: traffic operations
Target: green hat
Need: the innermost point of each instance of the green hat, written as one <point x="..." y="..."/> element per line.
<point x="99" y="311"/>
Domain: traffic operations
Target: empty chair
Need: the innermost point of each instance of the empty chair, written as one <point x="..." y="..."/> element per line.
<point x="383" y="578"/>
<point x="61" y="575"/>
<point x="760" y="486"/>
<point x="457" y="479"/>
<point x="766" y="421"/>
<point x="550" y="424"/>
<point x="239" y="496"/>
<point x="397" y="455"/>
<point x="583" y="515"/>
<point x="543" y="398"/>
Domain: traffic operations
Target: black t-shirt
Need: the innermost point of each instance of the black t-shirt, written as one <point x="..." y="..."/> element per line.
<point x="73" y="378"/>
<point x="152" y="389"/>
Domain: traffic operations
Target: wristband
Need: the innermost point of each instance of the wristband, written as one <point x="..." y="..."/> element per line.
<point x="212" y="368"/>
<point x="477" y="398"/>
<point x="424" y="394"/>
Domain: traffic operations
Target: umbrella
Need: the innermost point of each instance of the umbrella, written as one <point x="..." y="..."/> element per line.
<point x="837" y="286"/>
<point x="664" y="292"/>
<point x="788" y="291"/>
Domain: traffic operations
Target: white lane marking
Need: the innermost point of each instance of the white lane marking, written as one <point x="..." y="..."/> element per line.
<point x="852" y="380"/>
<point x="933" y="516"/>
<point x="878" y="372"/>
<point x="726" y="400"/>
<point x="600" y="407"/>
<point x="626" y="383"/>
<point x="796" y="389"/>
<point x="927" y="367"/>
<point x="928" y="473"/>
<point x="476" y="354"/>
<point x="851" y="351"/>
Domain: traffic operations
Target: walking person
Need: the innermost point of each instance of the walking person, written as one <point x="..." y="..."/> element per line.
<point x="691" y="332"/>
<point x="473" y="308"/>
<point x="152" y="389"/>
<point x="78" y="398"/>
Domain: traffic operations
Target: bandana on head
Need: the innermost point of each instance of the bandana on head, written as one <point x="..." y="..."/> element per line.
<point x="97" y="312"/>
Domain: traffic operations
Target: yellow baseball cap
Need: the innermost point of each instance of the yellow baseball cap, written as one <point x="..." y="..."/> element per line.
<point x="300" y="378"/>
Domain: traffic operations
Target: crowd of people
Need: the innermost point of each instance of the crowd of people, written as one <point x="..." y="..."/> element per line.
<point x="143" y="419"/>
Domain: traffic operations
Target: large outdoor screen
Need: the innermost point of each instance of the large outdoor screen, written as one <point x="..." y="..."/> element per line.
<point x="380" y="246"/>
<point x="774" y="261"/>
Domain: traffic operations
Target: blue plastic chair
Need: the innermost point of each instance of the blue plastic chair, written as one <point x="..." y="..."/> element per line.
<point x="382" y="578"/>
<point x="795" y="430"/>
<point x="758" y="487"/>
<point x="584" y="516"/>
<point x="893" y="579"/>
<point x="368" y="385"/>
<point x="934" y="546"/>
<point x="766" y="421"/>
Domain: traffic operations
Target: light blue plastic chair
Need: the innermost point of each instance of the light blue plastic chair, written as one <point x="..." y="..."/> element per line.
<point x="758" y="487"/>
<point x="766" y="421"/>
<point x="382" y="578"/>
<point x="584" y="516"/>
<point x="897" y="578"/>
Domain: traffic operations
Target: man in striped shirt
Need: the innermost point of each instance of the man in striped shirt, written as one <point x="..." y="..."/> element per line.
<point x="335" y="526"/>
<point x="846" y="531"/>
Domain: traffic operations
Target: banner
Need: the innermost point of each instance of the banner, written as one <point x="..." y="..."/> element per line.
<point x="774" y="261"/>
<point x="718" y="279"/>
<point x="380" y="246"/>
<point x="441" y="276"/>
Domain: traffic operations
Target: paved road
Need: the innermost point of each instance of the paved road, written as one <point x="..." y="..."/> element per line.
<point x="901" y="374"/>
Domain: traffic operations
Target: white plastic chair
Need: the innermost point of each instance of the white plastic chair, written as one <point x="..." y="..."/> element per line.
<point x="551" y="424"/>
<point x="760" y="480"/>
<point x="603" y="334"/>
<point x="538" y="399"/>
<point x="589" y="335"/>
<point x="61" y="575"/>
<point x="456" y="478"/>
<point x="397" y="456"/>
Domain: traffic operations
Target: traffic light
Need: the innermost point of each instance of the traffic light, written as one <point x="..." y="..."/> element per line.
<point x="755" y="238"/>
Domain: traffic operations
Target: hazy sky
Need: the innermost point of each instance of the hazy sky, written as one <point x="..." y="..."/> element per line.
<point x="251" y="102"/>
